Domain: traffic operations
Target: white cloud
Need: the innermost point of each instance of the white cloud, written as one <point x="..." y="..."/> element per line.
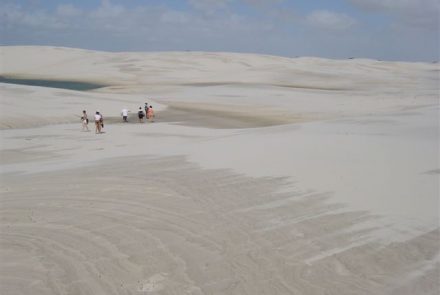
<point x="107" y="10"/>
<point x="263" y="2"/>
<point x="209" y="6"/>
<point x="174" y="17"/>
<point x="417" y="13"/>
<point x="68" y="10"/>
<point x="273" y="30"/>
<point x="395" y="4"/>
<point x="13" y="16"/>
<point x="330" y="20"/>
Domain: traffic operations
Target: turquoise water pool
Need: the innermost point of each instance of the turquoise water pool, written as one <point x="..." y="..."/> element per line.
<point x="72" y="85"/>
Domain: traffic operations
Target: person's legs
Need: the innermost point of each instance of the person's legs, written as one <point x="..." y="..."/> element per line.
<point x="97" y="127"/>
<point x="84" y="126"/>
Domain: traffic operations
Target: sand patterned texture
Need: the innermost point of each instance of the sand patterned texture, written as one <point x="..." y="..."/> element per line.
<point x="259" y="175"/>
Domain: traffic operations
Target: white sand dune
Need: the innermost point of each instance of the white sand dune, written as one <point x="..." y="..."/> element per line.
<point x="260" y="175"/>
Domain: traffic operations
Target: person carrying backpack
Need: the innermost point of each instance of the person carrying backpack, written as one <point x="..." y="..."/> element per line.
<point x="98" y="121"/>
<point x="141" y="115"/>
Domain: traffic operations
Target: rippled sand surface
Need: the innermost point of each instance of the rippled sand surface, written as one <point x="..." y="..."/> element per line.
<point x="164" y="225"/>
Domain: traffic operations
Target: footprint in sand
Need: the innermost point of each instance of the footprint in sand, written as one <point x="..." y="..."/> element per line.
<point x="153" y="283"/>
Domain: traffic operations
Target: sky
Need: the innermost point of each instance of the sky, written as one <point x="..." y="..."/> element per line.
<point x="404" y="30"/>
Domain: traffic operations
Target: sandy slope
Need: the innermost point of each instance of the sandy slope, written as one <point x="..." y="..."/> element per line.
<point x="261" y="175"/>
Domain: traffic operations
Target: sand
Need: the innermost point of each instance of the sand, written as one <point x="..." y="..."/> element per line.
<point x="260" y="175"/>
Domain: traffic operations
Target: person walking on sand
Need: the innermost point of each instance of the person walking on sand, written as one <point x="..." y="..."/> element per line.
<point x="85" y="121"/>
<point x="150" y="114"/>
<point x="98" y="119"/>
<point x="102" y="122"/>
<point x="124" y="114"/>
<point x="146" y="108"/>
<point x="141" y="115"/>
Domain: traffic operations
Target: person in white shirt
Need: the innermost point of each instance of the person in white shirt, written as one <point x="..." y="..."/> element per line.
<point x="98" y="121"/>
<point x="124" y="114"/>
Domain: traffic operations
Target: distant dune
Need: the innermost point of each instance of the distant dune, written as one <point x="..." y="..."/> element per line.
<point x="306" y="87"/>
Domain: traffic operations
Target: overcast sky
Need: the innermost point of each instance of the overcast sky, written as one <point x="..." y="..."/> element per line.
<point x="380" y="29"/>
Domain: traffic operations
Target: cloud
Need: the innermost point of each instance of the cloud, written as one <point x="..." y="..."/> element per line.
<point x="13" y="16"/>
<point x="263" y="2"/>
<point x="68" y="10"/>
<point x="416" y="13"/>
<point x="108" y="10"/>
<point x="209" y="6"/>
<point x="175" y="17"/>
<point x="116" y="27"/>
<point x="328" y="20"/>
<point x="274" y="28"/>
<point x="396" y="4"/>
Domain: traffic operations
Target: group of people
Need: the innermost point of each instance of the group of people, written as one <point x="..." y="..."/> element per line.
<point x="99" y="119"/>
<point x="99" y="122"/>
<point x="149" y="113"/>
